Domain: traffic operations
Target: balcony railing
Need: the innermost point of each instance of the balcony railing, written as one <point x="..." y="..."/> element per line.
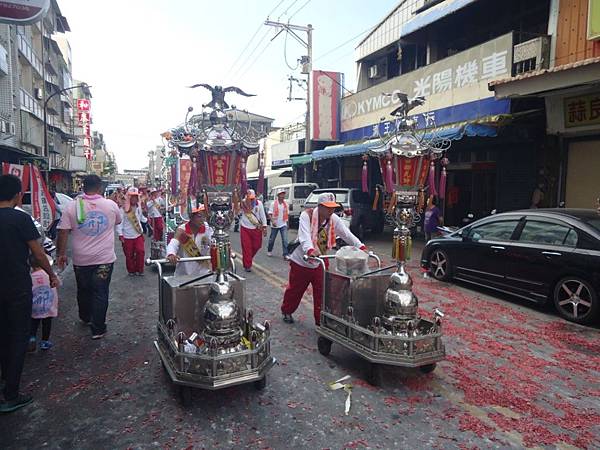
<point x="30" y="104"/>
<point x="27" y="50"/>
<point x="59" y="161"/>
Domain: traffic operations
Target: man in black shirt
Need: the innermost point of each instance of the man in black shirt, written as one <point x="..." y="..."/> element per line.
<point x="18" y="237"/>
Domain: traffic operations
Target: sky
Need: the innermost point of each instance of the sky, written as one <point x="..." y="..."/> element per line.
<point x="139" y="56"/>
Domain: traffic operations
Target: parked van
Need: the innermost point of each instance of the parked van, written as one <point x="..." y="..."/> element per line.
<point x="295" y="195"/>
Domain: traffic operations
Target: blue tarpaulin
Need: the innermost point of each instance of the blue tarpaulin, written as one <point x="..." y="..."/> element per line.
<point x="432" y="15"/>
<point x="451" y="133"/>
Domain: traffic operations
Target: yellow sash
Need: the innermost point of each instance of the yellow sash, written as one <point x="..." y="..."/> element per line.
<point x="253" y="219"/>
<point x="322" y="241"/>
<point x="190" y="247"/>
<point x="135" y="223"/>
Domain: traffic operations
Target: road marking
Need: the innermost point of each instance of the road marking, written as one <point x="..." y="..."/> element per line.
<point x="276" y="280"/>
<point x="453" y="397"/>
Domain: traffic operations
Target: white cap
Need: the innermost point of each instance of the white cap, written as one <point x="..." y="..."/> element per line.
<point x="328" y="199"/>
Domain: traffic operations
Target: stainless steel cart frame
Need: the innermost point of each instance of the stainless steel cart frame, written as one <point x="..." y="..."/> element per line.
<point x="181" y="301"/>
<point x="352" y="307"/>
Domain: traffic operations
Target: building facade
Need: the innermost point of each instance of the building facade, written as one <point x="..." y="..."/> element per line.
<point x="570" y="91"/>
<point x="37" y="110"/>
<point x="449" y="51"/>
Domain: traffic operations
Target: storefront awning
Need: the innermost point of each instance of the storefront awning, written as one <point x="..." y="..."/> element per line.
<point x="300" y="159"/>
<point x="269" y="173"/>
<point x="433" y="14"/>
<point x="457" y="132"/>
<point x="452" y="133"/>
<point x="343" y="150"/>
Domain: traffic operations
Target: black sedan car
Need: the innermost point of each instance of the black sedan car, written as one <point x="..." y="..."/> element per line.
<point x="540" y="255"/>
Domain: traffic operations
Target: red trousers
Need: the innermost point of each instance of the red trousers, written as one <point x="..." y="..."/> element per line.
<point x="300" y="278"/>
<point x="134" y="254"/>
<point x="157" y="228"/>
<point x="251" y="244"/>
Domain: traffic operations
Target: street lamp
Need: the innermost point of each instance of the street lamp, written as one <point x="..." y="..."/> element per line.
<point x="46" y="151"/>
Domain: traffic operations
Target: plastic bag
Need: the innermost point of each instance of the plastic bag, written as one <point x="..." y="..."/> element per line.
<point x="351" y="261"/>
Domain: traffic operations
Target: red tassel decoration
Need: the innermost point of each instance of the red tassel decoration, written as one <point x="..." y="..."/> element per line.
<point x="243" y="179"/>
<point x="365" y="175"/>
<point x="432" y="190"/>
<point x="192" y="184"/>
<point x="389" y="176"/>
<point x="260" y="185"/>
<point x="442" y="192"/>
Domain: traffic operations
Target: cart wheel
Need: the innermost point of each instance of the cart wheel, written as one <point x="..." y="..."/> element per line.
<point x="324" y="345"/>
<point x="261" y="384"/>
<point x="428" y="368"/>
<point x="375" y="375"/>
<point x="185" y="392"/>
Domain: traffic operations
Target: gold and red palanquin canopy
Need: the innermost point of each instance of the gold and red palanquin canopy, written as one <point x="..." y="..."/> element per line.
<point x="221" y="169"/>
<point x="409" y="174"/>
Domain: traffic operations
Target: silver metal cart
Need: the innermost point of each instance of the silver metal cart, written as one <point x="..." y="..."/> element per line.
<point x="232" y="349"/>
<point x="375" y="315"/>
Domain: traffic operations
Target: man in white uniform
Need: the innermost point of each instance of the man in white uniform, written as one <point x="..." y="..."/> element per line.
<point x="317" y="231"/>
<point x="253" y="225"/>
<point x="131" y="234"/>
<point x="191" y="239"/>
<point x="279" y="216"/>
<point x="155" y="208"/>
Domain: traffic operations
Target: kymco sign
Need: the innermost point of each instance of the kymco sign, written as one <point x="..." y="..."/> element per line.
<point x="23" y="12"/>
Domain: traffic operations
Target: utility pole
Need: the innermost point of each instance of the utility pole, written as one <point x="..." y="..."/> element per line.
<point x="306" y="62"/>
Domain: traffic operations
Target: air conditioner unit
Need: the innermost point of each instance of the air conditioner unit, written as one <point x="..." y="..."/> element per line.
<point x="3" y="126"/>
<point x="531" y="55"/>
<point x="38" y="94"/>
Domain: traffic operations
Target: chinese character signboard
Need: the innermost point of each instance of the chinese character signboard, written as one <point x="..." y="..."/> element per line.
<point x="23" y="12"/>
<point x="84" y="117"/>
<point x="326" y="93"/>
<point x="84" y="120"/>
<point x="582" y="111"/>
<point x="456" y="89"/>
<point x="83" y="104"/>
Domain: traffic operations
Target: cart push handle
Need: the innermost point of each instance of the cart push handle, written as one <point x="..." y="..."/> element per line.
<point x="321" y="259"/>
<point x="149" y="261"/>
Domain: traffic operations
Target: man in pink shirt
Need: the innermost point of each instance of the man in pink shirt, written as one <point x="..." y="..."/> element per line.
<point x="91" y="219"/>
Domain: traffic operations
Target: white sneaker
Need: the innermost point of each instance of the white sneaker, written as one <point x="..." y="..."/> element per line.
<point x="269" y="253"/>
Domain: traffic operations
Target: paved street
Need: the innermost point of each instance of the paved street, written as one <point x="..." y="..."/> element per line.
<point x="515" y="376"/>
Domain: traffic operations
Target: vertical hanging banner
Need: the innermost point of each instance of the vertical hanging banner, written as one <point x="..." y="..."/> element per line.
<point x="85" y="120"/>
<point x="42" y="204"/>
<point x="184" y="180"/>
<point x="326" y="95"/>
<point x="19" y="171"/>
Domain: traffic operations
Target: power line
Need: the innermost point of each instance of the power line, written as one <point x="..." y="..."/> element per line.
<point x="247" y="59"/>
<point x="253" y="36"/>
<point x="288" y="8"/>
<point x="285" y="55"/>
<point x="299" y="9"/>
<point x="344" y="43"/>
<point x="255" y="59"/>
